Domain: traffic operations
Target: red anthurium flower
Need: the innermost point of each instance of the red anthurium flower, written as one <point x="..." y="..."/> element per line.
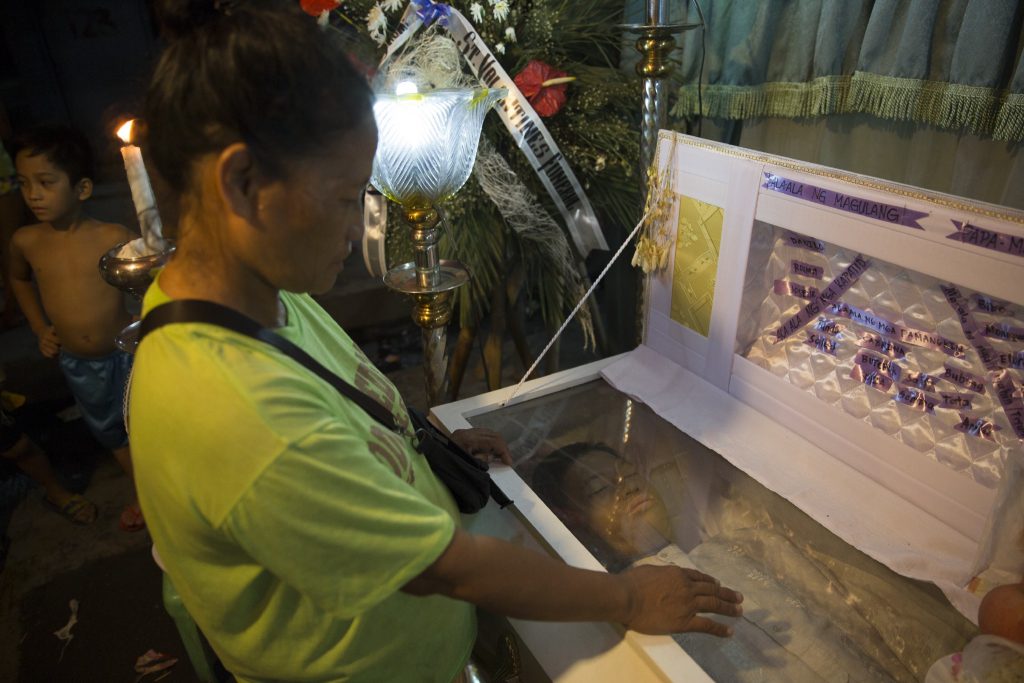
<point x="317" y="7"/>
<point x="544" y="86"/>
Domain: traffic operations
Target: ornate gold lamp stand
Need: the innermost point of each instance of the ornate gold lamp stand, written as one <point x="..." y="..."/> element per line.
<point x="430" y="281"/>
<point x="427" y="146"/>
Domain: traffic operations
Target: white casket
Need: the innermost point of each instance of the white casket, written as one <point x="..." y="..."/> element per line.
<point x="827" y="403"/>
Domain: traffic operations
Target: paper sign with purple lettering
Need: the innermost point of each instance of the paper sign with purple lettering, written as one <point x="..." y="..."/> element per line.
<point x="880" y="211"/>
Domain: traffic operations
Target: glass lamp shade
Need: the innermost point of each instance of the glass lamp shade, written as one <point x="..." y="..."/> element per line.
<point x="427" y="142"/>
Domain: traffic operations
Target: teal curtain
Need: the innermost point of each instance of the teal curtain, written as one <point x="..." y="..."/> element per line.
<point x="953" y="64"/>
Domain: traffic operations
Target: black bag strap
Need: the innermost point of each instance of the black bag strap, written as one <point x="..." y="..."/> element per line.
<point x="210" y="313"/>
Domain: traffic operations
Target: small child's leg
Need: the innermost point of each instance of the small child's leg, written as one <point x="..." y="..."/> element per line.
<point x="123" y="455"/>
<point x="31" y="460"/>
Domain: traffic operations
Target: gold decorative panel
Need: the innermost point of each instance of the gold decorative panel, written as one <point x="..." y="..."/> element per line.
<point x="698" y="239"/>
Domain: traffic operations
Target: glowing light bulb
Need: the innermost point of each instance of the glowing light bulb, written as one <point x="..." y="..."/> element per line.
<point x="406" y="88"/>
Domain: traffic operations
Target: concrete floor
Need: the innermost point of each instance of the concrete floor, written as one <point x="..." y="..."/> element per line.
<point x="52" y="561"/>
<point x="109" y="572"/>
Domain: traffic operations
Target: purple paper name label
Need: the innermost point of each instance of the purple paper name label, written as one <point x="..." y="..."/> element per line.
<point x="1009" y="397"/>
<point x="933" y="341"/>
<point x="906" y="335"/>
<point x="989" y="305"/>
<point x="865" y="318"/>
<point x="963" y="379"/>
<point x="822" y="342"/>
<point x="806" y="270"/>
<point x="879" y="211"/>
<point x="916" y="399"/>
<point x="1004" y="332"/>
<point x="955" y="401"/>
<point x="987" y="239"/>
<point x="789" y="288"/>
<point x="830" y="293"/>
<point x="920" y="380"/>
<point x="871" y="378"/>
<point x="886" y="347"/>
<point x="828" y="326"/>
<point x="804" y="242"/>
<point x="977" y="426"/>
<point x="872" y="363"/>
<point x="846" y="279"/>
<point x="970" y="328"/>
<point x="1011" y="360"/>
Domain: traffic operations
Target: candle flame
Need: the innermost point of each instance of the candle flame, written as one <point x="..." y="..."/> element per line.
<point x="125" y="131"/>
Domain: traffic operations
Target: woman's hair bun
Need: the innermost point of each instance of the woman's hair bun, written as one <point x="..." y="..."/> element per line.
<point x="180" y="17"/>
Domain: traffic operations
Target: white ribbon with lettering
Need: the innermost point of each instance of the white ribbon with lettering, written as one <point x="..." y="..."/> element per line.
<point x="524" y="124"/>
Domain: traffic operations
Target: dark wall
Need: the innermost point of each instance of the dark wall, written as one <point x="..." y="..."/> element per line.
<point x="81" y="62"/>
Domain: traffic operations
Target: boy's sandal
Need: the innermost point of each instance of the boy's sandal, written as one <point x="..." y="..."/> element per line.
<point x="77" y="510"/>
<point x="131" y="519"/>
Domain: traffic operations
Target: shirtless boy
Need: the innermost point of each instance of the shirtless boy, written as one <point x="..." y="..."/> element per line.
<point x="75" y="315"/>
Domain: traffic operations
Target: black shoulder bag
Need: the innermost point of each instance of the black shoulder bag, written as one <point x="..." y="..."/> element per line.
<point x="465" y="476"/>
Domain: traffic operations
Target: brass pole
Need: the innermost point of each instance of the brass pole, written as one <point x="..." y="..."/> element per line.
<point x="430" y="281"/>
<point x="654" y="45"/>
<point x="656" y="42"/>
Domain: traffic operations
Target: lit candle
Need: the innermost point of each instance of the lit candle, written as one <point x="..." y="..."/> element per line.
<point x="152" y="240"/>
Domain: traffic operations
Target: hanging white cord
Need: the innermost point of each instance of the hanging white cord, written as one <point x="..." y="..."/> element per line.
<point x="579" y="305"/>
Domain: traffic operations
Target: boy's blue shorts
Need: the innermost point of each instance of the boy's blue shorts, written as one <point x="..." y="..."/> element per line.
<point x="98" y="385"/>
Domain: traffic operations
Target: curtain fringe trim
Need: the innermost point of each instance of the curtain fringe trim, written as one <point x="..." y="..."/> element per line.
<point x="982" y="111"/>
<point x="1010" y="122"/>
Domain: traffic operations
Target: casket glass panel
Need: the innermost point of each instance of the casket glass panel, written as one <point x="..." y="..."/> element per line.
<point x="634" y="489"/>
<point x="918" y="358"/>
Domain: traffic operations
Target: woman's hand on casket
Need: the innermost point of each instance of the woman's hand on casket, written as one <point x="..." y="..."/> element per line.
<point x="509" y="579"/>
<point x="483" y="444"/>
<point x="671" y="599"/>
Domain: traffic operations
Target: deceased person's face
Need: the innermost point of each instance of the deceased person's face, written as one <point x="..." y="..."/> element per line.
<point x="617" y="504"/>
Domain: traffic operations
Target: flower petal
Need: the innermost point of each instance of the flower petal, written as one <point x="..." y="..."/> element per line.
<point x="317" y="7"/>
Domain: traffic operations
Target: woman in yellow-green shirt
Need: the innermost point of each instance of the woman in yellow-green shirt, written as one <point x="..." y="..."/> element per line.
<point x="308" y="541"/>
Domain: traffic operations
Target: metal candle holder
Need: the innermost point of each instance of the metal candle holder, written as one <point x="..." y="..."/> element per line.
<point x="132" y="276"/>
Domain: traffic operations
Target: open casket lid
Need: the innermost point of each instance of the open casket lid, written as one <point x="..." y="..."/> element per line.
<point x="729" y="358"/>
<point x="938" y="307"/>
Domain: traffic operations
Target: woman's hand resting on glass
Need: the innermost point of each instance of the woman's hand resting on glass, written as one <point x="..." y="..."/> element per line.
<point x="485" y="445"/>
<point x="670" y="600"/>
